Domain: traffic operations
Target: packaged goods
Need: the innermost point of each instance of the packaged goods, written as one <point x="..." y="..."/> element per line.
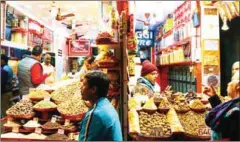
<point x="133" y="120"/>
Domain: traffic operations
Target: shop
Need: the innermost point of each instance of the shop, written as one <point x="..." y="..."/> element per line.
<point x="187" y="42"/>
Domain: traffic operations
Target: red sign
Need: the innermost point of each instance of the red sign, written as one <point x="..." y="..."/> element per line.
<point x="79" y="48"/>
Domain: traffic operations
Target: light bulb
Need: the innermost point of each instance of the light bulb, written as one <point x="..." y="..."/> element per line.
<point x="225" y="26"/>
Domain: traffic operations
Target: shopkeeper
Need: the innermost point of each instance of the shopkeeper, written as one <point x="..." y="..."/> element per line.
<point x="48" y="68"/>
<point x="30" y="71"/>
<point x="146" y="84"/>
<point x="101" y="122"/>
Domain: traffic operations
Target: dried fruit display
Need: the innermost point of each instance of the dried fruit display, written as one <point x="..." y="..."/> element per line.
<point x="197" y="104"/>
<point x="180" y="104"/>
<point x="45" y="104"/>
<point x="68" y="91"/>
<point x="191" y="121"/>
<point x="24" y="107"/>
<point x="190" y="96"/>
<point x="38" y="94"/>
<point x="11" y="124"/>
<point x="154" y="125"/>
<point x="51" y="125"/>
<point x="164" y="103"/>
<point x="57" y="136"/>
<point x="73" y="106"/>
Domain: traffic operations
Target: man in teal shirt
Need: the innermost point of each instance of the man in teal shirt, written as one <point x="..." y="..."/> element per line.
<point x="101" y="122"/>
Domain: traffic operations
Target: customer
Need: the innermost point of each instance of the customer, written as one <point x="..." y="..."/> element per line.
<point x="30" y="71"/>
<point x="224" y="117"/>
<point x="146" y="84"/>
<point x="235" y="67"/>
<point x="101" y="122"/>
<point x="6" y="87"/>
<point x="48" y="68"/>
<point x="88" y="64"/>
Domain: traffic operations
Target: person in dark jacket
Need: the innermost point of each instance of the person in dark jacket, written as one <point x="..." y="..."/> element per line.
<point x="6" y="87"/>
<point x="101" y="122"/>
<point x="30" y="71"/>
<point x="224" y="117"/>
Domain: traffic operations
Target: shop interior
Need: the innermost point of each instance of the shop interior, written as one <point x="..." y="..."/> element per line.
<point x="193" y="44"/>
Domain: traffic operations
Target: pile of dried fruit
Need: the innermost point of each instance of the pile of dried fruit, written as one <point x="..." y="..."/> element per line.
<point x="51" y="125"/>
<point x="38" y="94"/>
<point x="180" y="104"/>
<point x="73" y="106"/>
<point x="197" y="104"/>
<point x="58" y="137"/>
<point x="154" y="125"/>
<point x="24" y="107"/>
<point x="191" y="121"/>
<point x="164" y="103"/>
<point x="45" y="104"/>
<point x="66" y="91"/>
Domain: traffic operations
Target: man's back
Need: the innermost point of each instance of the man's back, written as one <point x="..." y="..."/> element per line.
<point x="101" y="123"/>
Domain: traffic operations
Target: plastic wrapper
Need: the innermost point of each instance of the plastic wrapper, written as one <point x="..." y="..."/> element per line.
<point x="175" y="124"/>
<point x="133" y="120"/>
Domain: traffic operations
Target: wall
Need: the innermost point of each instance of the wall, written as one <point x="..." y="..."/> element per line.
<point x="229" y="51"/>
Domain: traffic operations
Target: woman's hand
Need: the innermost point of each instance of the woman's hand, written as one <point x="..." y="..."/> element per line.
<point x="209" y="91"/>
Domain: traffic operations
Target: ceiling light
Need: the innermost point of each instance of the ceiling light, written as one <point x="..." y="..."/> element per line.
<point x="225" y="26"/>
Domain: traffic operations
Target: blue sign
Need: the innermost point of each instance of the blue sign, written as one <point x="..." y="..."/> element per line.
<point x="144" y="39"/>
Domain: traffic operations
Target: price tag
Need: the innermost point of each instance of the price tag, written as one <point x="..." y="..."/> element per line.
<point x="105" y="71"/>
<point x="38" y="130"/>
<point x="15" y="129"/>
<point x="60" y="131"/>
<point x="9" y="119"/>
<point x="47" y="98"/>
<point x="25" y="97"/>
<point x="67" y="122"/>
<point x="54" y="119"/>
<point x="204" y="131"/>
<point x="35" y="119"/>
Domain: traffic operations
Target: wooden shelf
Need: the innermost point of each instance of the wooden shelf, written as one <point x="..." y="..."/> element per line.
<point x="178" y="64"/>
<point x="184" y="41"/>
<point x="109" y="46"/>
<point x="167" y="33"/>
<point x="110" y="68"/>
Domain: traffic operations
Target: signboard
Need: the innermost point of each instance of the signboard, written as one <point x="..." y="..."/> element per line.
<point x="79" y="48"/>
<point x="144" y="39"/>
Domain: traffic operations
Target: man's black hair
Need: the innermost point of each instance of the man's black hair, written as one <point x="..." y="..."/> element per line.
<point x="37" y="50"/>
<point x="4" y="58"/>
<point x="100" y="80"/>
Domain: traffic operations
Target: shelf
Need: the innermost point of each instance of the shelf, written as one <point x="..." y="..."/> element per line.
<point x="178" y="64"/>
<point x="19" y="29"/>
<point x="167" y="33"/>
<point x="14" y="45"/>
<point x="184" y="41"/>
<point x="110" y="93"/>
<point x="109" y="46"/>
<point x="110" y="68"/>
